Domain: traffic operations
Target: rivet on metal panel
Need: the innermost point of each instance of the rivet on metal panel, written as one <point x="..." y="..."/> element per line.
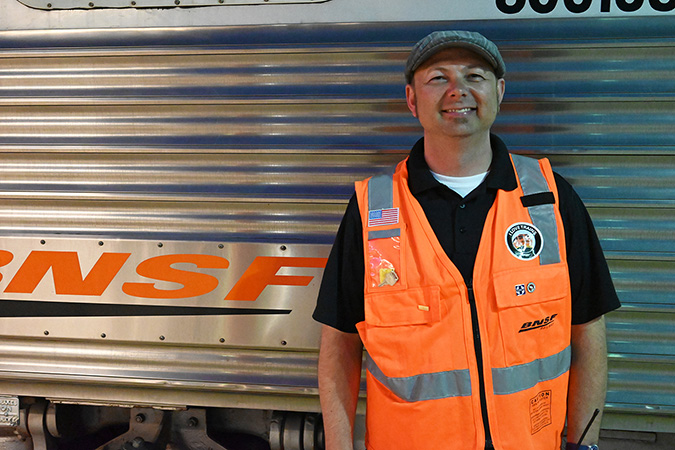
<point x="140" y="418"/>
<point x="160" y="245"/>
<point x="43" y="242"/>
<point x="103" y="335"/>
<point x="161" y="338"/>
<point x="100" y="243"/>
<point x="193" y="422"/>
<point x="133" y="3"/>
<point x="221" y="246"/>
<point x="222" y="340"/>
<point x="91" y="4"/>
<point x="177" y="2"/>
<point x="49" y="5"/>
<point x="46" y="332"/>
<point x="283" y="248"/>
<point x="284" y="342"/>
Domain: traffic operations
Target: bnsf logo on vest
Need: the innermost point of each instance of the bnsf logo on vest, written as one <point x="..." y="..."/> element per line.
<point x="543" y="323"/>
<point x="582" y="6"/>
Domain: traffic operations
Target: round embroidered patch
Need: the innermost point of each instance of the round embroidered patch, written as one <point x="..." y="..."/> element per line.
<point x="524" y="241"/>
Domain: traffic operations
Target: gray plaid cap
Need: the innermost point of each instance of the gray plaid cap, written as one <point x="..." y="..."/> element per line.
<point x="440" y="40"/>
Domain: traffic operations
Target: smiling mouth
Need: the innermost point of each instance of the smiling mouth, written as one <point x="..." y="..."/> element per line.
<point x="458" y="110"/>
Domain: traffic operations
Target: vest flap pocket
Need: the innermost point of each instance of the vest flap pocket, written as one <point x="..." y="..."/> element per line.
<point x="532" y="285"/>
<point x="416" y="306"/>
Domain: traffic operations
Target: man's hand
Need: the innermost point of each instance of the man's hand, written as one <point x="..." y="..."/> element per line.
<point x="340" y="357"/>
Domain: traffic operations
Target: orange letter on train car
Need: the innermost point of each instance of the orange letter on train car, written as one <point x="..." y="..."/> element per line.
<point x="67" y="273"/>
<point x="159" y="268"/>
<point x="5" y="258"/>
<point x="263" y="272"/>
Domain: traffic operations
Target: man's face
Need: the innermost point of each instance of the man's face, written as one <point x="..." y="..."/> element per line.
<point x="455" y="93"/>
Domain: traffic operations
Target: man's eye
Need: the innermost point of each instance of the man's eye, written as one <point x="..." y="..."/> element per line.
<point x="476" y="76"/>
<point x="437" y="78"/>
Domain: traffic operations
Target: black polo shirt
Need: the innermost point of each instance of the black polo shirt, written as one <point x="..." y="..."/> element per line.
<point x="458" y="225"/>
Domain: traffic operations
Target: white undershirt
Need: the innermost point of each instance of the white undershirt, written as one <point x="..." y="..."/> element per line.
<point x="462" y="185"/>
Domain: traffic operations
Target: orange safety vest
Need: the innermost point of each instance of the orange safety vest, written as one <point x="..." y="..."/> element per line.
<point x="423" y="389"/>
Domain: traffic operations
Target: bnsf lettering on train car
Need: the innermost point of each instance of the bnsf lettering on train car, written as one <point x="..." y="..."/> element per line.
<point x="69" y="280"/>
<point x="582" y="6"/>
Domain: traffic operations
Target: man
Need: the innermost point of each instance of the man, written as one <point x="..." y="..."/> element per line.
<point x="473" y="278"/>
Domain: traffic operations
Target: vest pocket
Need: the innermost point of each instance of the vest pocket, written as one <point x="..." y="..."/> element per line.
<point x="384" y="263"/>
<point x="533" y="313"/>
<point x="416" y="306"/>
<point x="531" y="286"/>
<point x="401" y="331"/>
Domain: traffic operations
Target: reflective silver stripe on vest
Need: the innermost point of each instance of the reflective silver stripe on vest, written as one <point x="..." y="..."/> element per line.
<point x="380" y="192"/>
<point x="507" y="380"/>
<point x="383" y="234"/>
<point x="543" y="216"/>
<point x="427" y="386"/>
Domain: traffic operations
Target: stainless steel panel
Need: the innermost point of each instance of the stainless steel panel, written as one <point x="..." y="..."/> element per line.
<point x="203" y="311"/>
<point x="645" y="178"/>
<point x="635" y="229"/>
<point x="161" y="374"/>
<point x="252" y="221"/>
<point x="118" y="348"/>
<point x="644" y="283"/>
<point x="51" y="5"/>
<point x="259" y="369"/>
<point x="253" y="136"/>
<point x="20" y="17"/>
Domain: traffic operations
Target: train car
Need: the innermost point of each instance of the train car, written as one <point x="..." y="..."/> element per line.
<point x="173" y="172"/>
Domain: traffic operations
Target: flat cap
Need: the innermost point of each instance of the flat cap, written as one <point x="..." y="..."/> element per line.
<point x="441" y="40"/>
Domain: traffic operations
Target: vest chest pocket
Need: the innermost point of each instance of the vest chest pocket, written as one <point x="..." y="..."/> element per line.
<point x="517" y="288"/>
<point x="384" y="257"/>
<point x="416" y="306"/>
<point x="401" y="331"/>
<point x="533" y="313"/>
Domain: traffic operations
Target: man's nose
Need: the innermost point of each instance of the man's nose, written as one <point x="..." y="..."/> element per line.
<point x="456" y="89"/>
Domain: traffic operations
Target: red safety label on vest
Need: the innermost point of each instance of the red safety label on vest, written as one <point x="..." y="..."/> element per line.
<point x="540" y="411"/>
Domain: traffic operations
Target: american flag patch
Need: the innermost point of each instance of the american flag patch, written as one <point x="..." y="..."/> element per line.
<point x="381" y="217"/>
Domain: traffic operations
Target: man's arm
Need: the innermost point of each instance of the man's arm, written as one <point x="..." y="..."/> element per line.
<point x="339" y="379"/>
<point x="588" y="380"/>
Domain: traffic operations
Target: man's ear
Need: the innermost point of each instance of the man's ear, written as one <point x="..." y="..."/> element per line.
<point x="410" y="99"/>
<point x="501" y="88"/>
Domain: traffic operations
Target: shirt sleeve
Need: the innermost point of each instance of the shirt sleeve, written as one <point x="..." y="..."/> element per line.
<point x="593" y="292"/>
<point x="340" y="300"/>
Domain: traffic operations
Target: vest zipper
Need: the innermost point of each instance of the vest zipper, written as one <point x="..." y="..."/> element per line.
<point x="479" y="362"/>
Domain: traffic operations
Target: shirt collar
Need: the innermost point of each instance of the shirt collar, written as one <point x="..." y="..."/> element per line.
<point x="501" y="176"/>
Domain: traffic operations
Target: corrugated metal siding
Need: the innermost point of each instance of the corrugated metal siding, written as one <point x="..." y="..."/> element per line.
<point x="256" y="133"/>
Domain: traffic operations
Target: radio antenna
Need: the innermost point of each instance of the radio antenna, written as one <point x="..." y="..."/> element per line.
<point x="590" y="422"/>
